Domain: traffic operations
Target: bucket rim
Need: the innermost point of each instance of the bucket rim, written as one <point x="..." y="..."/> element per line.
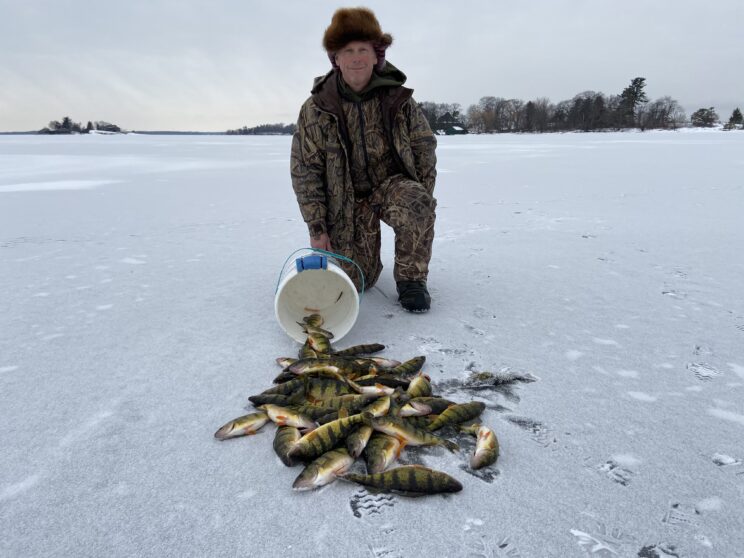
<point x="325" y="253"/>
<point x="286" y="322"/>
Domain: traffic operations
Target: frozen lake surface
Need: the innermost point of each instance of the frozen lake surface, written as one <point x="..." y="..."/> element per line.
<point x="137" y="277"/>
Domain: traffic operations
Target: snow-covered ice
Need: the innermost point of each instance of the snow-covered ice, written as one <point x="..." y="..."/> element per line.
<point x="136" y="316"/>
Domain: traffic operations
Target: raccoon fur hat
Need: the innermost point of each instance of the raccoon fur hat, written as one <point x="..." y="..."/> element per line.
<point x="355" y="24"/>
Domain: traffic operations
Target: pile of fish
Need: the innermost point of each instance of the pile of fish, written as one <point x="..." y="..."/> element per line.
<point x="331" y="407"/>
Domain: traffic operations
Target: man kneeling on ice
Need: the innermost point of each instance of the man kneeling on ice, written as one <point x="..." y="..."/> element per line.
<point x="363" y="152"/>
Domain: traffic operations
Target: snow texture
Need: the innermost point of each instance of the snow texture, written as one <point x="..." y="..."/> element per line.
<point x="599" y="274"/>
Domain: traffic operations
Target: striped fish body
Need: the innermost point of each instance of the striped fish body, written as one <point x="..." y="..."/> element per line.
<point x="384" y="379"/>
<point x="437" y="404"/>
<point x="421" y="422"/>
<point x="313" y="412"/>
<point x="316" y="330"/>
<point x="409" y="434"/>
<point x="314" y="320"/>
<point x="458" y="413"/>
<point x="374" y="389"/>
<point x="285" y="361"/>
<point x="414" y="408"/>
<point x="330" y="417"/>
<point x="284" y="416"/>
<point x="324" y="470"/>
<point x="381" y="362"/>
<point x="469" y="428"/>
<point x="246" y="425"/>
<point x="379" y="407"/>
<point x="284" y="440"/>
<point x="286" y="388"/>
<point x="324" y="388"/>
<point x="326" y="437"/>
<point x="397" y="401"/>
<point x="284" y="376"/>
<point x="486" y="449"/>
<point x="324" y="373"/>
<point x="339" y="365"/>
<point x="306" y="351"/>
<point x="409" y="367"/>
<point x="276" y="399"/>
<point x="413" y="480"/>
<point x="361" y="350"/>
<point x="357" y="440"/>
<point x="352" y="402"/>
<point x="419" y="387"/>
<point x="319" y="343"/>
<point x="365" y="366"/>
<point x="381" y="452"/>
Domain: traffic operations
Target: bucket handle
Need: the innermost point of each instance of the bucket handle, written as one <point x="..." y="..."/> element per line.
<point x="327" y="253"/>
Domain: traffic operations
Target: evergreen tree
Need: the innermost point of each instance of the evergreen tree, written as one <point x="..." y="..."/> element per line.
<point x="598" y="114"/>
<point x="736" y="118"/>
<point x="631" y="99"/>
<point x="704" y="118"/>
<point x="529" y="117"/>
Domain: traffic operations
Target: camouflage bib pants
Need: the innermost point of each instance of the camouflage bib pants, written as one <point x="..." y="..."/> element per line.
<point x="409" y="210"/>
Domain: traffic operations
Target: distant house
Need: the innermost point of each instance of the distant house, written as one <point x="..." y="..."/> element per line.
<point x="448" y="125"/>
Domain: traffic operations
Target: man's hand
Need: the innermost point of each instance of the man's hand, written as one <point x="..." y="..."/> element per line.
<point x="322" y="242"/>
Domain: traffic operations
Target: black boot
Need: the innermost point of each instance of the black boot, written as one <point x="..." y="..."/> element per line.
<point x="414" y="296"/>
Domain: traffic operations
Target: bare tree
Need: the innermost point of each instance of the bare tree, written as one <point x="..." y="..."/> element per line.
<point x="513" y="115"/>
<point x="663" y="113"/>
<point x="543" y="112"/>
<point x="560" y="116"/>
<point x="474" y="119"/>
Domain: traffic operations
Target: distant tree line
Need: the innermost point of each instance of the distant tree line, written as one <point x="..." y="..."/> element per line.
<point x="587" y="111"/>
<point x="265" y="130"/>
<point x="708" y="117"/>
<point x="736" y="120"/>
<point x="67" y="126"/>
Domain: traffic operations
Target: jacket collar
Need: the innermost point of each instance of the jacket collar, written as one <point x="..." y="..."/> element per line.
<point x="326" y="95"/>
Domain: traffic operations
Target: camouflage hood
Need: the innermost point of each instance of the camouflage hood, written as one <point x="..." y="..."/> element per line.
<point x="389" y="76"/>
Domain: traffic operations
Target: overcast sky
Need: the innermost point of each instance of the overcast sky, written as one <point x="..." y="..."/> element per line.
<point x="219" y="64"/>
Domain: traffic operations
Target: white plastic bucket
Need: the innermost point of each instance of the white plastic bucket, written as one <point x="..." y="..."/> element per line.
<point x="315" y="284"/>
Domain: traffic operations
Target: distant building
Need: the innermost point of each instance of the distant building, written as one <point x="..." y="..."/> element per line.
<point x="448" y="125"/>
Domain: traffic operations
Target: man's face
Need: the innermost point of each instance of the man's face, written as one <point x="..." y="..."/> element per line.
<point x="356" y="61"/>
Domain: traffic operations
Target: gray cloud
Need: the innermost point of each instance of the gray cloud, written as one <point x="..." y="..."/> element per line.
<point x="215" y="65"/>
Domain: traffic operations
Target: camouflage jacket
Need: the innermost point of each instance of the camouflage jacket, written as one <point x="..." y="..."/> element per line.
<point x="322" y="149"/>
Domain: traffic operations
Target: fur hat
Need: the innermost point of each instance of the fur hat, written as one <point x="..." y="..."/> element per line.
<point x="356" y="24"/>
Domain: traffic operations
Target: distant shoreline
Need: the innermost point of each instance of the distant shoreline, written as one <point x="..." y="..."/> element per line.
<point x="152" y="133"/>
<point x="167" y="133"/>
